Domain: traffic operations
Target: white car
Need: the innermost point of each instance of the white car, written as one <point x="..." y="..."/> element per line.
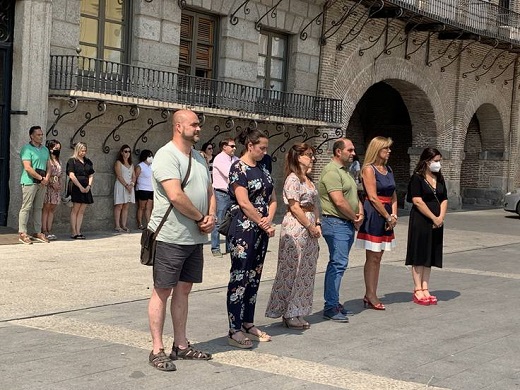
<point x="512" y="201"/>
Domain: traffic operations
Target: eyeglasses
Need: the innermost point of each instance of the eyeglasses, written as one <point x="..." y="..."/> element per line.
<point x="310" y="155"/>
<point x="232" y="146"/>
<point x="126" y="151"/>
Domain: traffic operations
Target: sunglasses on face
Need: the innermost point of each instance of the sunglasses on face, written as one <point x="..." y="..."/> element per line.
<point x="126" y="151"/>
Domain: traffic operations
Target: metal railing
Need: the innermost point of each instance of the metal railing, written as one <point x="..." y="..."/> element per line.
<point x="76" y="73"/>
<point x="476" y="16"/>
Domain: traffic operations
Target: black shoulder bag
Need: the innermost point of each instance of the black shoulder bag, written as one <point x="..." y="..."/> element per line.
<point x="148" y="242"/>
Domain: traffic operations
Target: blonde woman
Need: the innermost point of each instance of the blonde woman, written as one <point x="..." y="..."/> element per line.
<point x="80" y="171"/>
<point x="376" y="234"/>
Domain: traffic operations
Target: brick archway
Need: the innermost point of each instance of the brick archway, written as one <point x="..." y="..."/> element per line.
<point x="483" y="173"/>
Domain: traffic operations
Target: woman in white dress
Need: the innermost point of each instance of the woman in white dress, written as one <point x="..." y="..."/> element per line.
<point x="123" y="188"/>
<point x="144" y="188"/>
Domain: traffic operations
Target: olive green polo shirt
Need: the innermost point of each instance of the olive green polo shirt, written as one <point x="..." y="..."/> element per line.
<point x="335" y="177"/>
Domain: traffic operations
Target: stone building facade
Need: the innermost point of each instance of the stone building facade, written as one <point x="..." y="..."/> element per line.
<point x="111" y="72"/>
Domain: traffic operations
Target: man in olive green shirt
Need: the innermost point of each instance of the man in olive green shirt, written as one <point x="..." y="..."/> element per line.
<point x="342" y="216"/>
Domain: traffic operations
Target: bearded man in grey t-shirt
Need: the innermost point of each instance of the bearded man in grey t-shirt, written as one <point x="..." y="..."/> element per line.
<point x="178" y="258"/>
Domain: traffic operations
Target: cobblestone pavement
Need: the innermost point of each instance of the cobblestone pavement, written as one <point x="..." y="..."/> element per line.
<point x="73" y="316"/>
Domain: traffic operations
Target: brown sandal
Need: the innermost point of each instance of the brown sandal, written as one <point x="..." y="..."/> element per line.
<point x="161" y="361"/>
<point x="189" y="353"/>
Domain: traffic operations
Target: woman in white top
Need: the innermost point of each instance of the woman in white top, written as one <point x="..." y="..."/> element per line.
<point x="123" y="188"/>
<point x="144" y="188"/>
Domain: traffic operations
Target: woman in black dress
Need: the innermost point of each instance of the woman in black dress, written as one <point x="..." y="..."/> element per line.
<point x="427" y="191"/>
<point x="81" y="174"/>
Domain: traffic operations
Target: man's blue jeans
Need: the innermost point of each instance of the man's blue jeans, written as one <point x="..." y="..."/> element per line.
<point x="339" y="235"/>
<point x="223" y="203"/>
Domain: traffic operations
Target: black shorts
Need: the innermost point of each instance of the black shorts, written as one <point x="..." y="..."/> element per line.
<point x="144" y="195"/>
<point x="174" y="263"/>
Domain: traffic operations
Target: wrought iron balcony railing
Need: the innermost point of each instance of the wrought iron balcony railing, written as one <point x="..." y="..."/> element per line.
<point x="76" y="73"/>
<point x="476" y="16"/>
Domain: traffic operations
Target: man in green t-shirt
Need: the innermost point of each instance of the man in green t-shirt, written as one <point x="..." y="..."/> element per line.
<point x="35" y="177"/>
<point x="342" y="216"/>
<point x="178" y="259"/>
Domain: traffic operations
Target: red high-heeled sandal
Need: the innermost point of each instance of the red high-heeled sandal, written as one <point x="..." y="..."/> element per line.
<point x="366" y="302"/>
<point x="432" y="298"/>
<point x="420" y="301"/>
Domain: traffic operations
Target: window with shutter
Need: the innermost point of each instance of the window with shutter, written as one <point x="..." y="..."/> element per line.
<point x="197" y="44"/>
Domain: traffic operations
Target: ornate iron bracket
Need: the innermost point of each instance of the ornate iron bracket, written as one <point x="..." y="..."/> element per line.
<point x="102" y="108"/>
<point x="335" y="26"/>
<point x="482" y="63"/>
<point x="388" y="49"/>
<point x="407" y="54"/>
<point x="338" y="133"/>
<point x="73" y="104"/>
<point x="280" y="129"/>
<point x="134" y="114"/>
<point x="504" y="68"/>
<point x="228" y="124"/>
<point x="143" y="138"/>
<point x="375" y="40"/>
<point x="233" y="19"/>
<point x="318" y="19"/>
<point x="453" y="58"/>
<point x="367" y="16"/>
<point x="441" y="52"/>
<point x="272" y="11"/>
<point x="300" y="133"/>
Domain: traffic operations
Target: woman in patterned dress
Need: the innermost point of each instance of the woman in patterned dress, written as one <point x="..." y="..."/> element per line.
<point x="293" y="288"/>
<point x="253" y="208"/>
<point x="376" y="234"/>
<point x="53" y="195"/>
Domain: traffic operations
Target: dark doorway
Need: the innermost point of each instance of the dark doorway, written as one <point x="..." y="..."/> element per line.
<point x="381" y="111"/>
<point x="6" y="51"/>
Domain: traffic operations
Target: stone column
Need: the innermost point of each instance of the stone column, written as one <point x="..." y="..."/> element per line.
<point x="30" y="85"/>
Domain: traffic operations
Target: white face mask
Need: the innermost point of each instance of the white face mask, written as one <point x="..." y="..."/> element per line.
<point x="149" y="160"/>
<point x="435" y="166"/>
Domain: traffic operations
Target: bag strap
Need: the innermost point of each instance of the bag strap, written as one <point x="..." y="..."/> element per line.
<point x="170" y="208"/>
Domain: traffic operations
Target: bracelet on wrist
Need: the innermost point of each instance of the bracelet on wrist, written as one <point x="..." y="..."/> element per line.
<point x="308" y="225"/>
<point x="318" y="223"/>
<point x="201" y="219"/>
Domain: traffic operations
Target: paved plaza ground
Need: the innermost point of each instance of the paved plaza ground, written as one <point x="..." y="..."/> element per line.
<point x="73" y="316"/>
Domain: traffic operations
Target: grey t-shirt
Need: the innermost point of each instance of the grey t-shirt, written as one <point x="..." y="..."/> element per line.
<point x="170" y="163"/>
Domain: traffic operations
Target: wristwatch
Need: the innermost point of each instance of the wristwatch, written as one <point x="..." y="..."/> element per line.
<point x="389" y="219"/>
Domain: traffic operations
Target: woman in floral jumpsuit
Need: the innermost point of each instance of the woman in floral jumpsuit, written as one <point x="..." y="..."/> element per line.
<point x="254" y="206"/>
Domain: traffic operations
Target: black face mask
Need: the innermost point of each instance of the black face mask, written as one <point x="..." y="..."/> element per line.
<point x="56" y="153"/>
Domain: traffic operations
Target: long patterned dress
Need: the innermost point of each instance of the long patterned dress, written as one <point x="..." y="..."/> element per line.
<point x="247" y="242"/>
<point x="53" y="194"/>
<point x="293" y="286"/>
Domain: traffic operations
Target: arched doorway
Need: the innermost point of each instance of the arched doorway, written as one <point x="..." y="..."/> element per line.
<point x="382" y="111"/>
<point x="483" y="176"/>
